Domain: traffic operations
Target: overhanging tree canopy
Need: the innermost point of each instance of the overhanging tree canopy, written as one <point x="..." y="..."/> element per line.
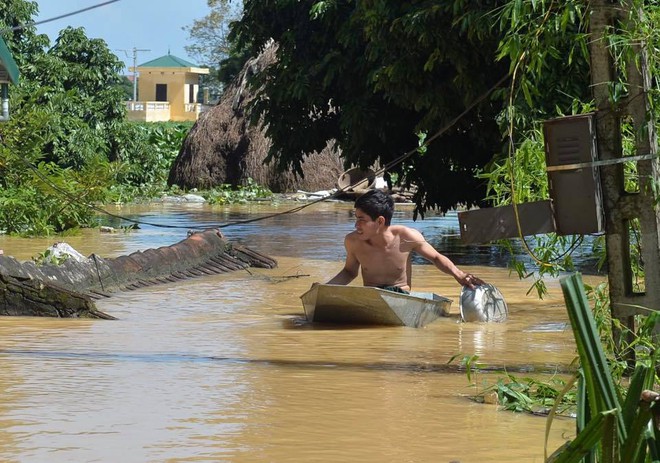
<point x="373" y="74"/>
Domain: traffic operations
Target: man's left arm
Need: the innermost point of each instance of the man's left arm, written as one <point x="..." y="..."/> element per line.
<point x="442" y="262"/>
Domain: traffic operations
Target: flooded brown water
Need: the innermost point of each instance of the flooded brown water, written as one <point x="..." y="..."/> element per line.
<point x="226" y="369"/>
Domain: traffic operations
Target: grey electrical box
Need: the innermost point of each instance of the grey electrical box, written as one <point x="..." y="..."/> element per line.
<point x="496" y="223"/>
<point x="574" y="182"/>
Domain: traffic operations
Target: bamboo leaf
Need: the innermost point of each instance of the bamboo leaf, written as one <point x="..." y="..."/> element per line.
<point x="632" y="448"/>
<point x="652" y="435"/>
<point x="585" y="440"/>
<point x="583" y="410"/>
<point x="551" y="415"/>
<point x="599" y="384"/>
<point x="609" y="443"/>
<point x="638" y="383"/>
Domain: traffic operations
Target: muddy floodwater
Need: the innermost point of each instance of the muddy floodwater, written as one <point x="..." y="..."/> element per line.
<point x="226" y="369"/>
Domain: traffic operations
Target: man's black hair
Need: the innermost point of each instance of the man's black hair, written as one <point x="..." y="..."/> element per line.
<point x="375" y="203"/>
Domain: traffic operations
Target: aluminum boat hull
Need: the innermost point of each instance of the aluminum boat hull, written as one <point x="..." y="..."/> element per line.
<point x="359" y="305"/>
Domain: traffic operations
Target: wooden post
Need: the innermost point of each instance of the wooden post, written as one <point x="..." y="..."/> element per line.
<point x="620" y="206"/>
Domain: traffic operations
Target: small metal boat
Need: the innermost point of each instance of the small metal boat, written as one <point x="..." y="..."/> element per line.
<point x="372" y="306"/>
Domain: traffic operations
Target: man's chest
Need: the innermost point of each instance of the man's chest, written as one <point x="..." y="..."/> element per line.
<point x="387" y="256"/>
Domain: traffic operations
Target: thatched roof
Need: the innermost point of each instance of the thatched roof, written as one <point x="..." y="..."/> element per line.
<point x="223" y="148"/>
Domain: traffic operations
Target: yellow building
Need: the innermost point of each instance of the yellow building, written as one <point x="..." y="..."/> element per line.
<point x="167" y="91"/>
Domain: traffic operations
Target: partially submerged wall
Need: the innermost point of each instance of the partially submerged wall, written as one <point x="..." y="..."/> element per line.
<point x="68" y="290"/>
<point x="31" y="297"/>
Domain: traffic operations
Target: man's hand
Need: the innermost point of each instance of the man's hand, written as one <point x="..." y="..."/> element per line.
<point x="470" y="280"/>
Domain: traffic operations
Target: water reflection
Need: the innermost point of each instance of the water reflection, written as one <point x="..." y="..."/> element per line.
<point x="225" y="368"/>
<point x="324" y="223"/>
<point x="327" y="224"/>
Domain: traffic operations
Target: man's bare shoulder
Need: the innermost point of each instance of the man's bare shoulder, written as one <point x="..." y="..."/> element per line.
<point x="351" y="237"/>
<point x="406" y="233"/>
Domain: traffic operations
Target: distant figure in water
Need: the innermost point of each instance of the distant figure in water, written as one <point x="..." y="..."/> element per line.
<point x="384" y="251"/>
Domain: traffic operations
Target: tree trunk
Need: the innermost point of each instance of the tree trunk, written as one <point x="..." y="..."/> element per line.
<point x="622" y="207"/>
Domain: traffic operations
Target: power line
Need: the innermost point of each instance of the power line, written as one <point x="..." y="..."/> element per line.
<point x="135" y="73"/>
<point x="389" y="165"/>
<point x="66" y="15"/>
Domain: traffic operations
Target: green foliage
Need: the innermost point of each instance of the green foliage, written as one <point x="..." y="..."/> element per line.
<point x="546" y="44"/>
<point x="372" y="75"/>
<point x="226" y="194"/>
<point x="612" y="427"/>
<point x="129" y="228"/>
<point x="146" y="155"/>
<point x="35" y="208"/>
<point x="532" y="395"/>
<point x="470" y="363"/>
<point x="126" y="87"/>
<point x="49" y="257"/>
<point x="76" y="83"/>
<point x="613" y="424"/>
<point x="556" y="396"/>
<point x="210" y="45"/>
<point x="518" y="394"/>
<point x="24" y="42"/>
<point x="519" y="178"/>
<point x="152" y="149"/>
<point x="38" y="197"/>
<point x="68" y="145"/>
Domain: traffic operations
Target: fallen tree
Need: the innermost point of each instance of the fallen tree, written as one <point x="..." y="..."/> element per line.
<point x="223" y="147"/>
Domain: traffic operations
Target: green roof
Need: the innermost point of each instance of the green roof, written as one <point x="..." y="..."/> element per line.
<point x="8" y="68"/>
<point x="168" y="61"/>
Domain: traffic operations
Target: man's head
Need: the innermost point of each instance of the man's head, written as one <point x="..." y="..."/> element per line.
<point x="375" y="204"/>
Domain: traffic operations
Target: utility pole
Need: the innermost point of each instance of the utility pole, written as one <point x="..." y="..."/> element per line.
<point x="622" y="207"/>
<point x="134" y="68"/>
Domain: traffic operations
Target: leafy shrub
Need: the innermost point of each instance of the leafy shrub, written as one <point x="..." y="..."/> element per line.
<point x="226" y="194"/>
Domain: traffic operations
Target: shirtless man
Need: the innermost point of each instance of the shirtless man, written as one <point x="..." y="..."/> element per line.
<point x="384" y="251"/>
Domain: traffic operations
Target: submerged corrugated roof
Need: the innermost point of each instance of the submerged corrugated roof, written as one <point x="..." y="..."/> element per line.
<point x="8" y="67"/>
<point x="168" y="61"/>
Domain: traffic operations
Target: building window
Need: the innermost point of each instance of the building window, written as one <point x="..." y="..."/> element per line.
<point x="161" y="92"/>
<point x="191" y="94"/>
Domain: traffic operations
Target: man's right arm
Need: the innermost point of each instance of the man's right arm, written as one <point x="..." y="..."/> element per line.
<point x="351" y="267"/>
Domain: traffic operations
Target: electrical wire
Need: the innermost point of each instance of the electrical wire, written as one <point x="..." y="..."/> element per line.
<point x="66" y="15"/>
<point x="511" y="153"/>
<point x="334" y="195"/>
<point x="340" y="191"/>
<point x="440" y="132"/>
